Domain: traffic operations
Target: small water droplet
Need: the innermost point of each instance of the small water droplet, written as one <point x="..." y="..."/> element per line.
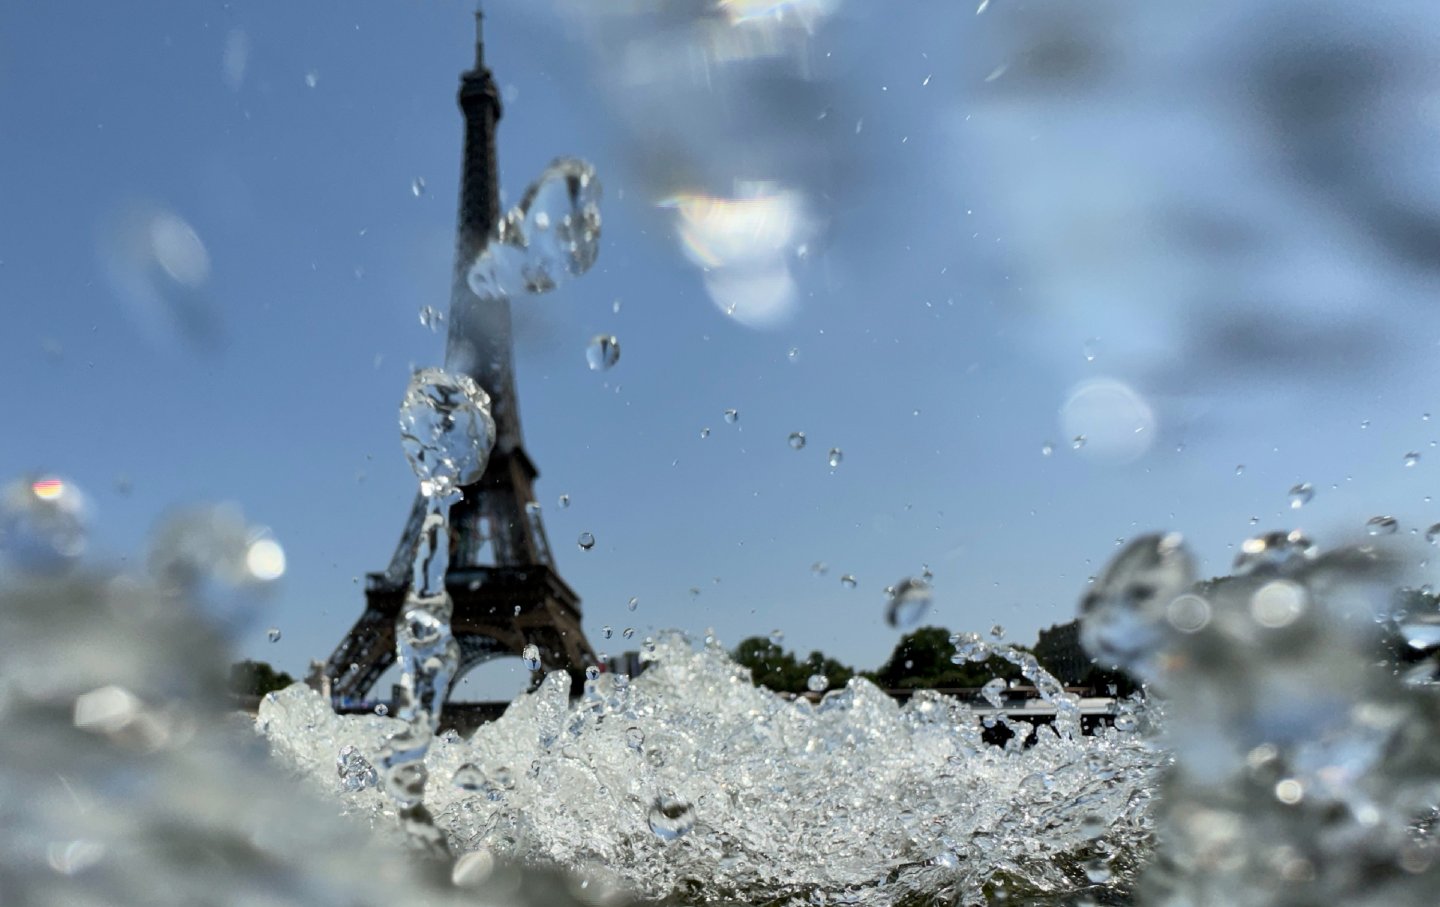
<point x="602" y="352"/>
<point x="1126" y="723"/>
<point x="848" y="581"/>
<point x="628" y="632"/>
<point x="634" y="738"/>
<point x="382" y="709"/>
<point x="909" y="601"/>
<point x="273" y="634"/>
<point x="605" y="631"/>
<point x="1412" y="458"/>
<point x="817" y="683"/>
<point x="777" y="636"/>
<point x="592" y="672"/>
<point x="1078" y="442"/>
<point x="564" y="501"/>
<point x="417" y="188"/>
<point x="819" y="568"/>
<point x="1300" y="495"/>
<point x="794" y="354"/>
<point x="1382" y="525"/>
<point x="836" y="455"/>
<point x="468" y="777"/>
<point x="1364" y="423"/>
<point x="1432" y="535"/>
<point x="1097" y="870"/>
<point x="432" y="318"/>
<point x="704" y="433"/>
<point x="1047" y="449"/>
<point x="797" y="440"/>
<point x="586" y="541"/>
<point x="356" y="773"/>
<point x="1091" y="349"/>
<point x="997" y="632"/>
<point x="671" y="818"/>
<point x="732" y="416"/>
<point x="633" y="603"/>
<point x="1240" y="469"/>
<point x="530" y="655"/>
<point x="312" y="78"/>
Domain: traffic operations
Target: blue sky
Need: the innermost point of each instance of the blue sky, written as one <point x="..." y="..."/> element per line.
<point x="998" y="210"/>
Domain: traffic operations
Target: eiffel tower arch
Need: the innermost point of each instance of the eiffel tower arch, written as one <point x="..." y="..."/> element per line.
<point x="502" y="579"/>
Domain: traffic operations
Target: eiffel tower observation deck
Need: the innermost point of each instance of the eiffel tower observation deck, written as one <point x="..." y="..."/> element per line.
<point x="501" y="577"/>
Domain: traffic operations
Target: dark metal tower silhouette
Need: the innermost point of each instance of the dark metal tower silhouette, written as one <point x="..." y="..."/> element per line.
<point x="501" y="576"/>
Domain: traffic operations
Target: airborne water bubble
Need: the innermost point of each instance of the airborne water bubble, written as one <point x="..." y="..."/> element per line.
<point x="602" y="352"/>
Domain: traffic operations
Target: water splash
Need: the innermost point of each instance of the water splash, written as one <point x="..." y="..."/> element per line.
<point x="553" y="234"/>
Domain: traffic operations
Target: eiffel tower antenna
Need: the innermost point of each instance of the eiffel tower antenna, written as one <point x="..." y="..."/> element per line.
<point x="502" y="578"/>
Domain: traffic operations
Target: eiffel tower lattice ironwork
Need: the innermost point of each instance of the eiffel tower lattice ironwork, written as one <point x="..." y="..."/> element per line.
<point x="514" y="596"/>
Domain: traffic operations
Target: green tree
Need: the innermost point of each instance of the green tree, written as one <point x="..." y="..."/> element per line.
<point x="921" y="660"/>
<point x="256" y="678"/>
<point x="773" y="667"/>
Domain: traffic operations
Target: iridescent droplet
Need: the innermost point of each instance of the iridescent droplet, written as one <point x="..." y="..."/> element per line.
<point x="797" y="440"/>
<point x="909" y="601"/>
<point x="1382" y="525"/>
<point x="602" y="352"/>
<point x="586" y="541"/>
<point x="836" y="455"/>
<point x="671" y="818"/>
<point x="1300" y="495"/>
<point x="530" y="656"/>
<point x="44" y="524"/>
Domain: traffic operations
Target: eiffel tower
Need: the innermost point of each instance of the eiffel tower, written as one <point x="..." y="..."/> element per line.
<point x="501" y="576"/>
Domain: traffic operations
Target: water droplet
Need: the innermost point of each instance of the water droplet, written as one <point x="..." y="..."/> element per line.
<point x="1091" y="349"/>
<point x="732" y="416"/>
<point x="586" y="541"/>
<point x="633" y="603"/>
<point x="312" y="78"/>
<point x="1432" y="535"/>
<point x="794" y="354"/>
<point x="564" y="501"/>
<point x="634" y="738"/>
<point x="1278" y="603"/>
<point x="1300" y="495"/>
<point x="530" y="656"/>
<point x="1078" y="442"/>
<point x="1047" y="449"/>
<point x="468" y="777"/>
<point x="355" y="771"/>
<point x="432" y="318"/>
<point x="777" y="636"/>
<point x="1364" y="423"/>
<point x="1412" y="458"/>
<point x="704" y="433"/>
<point x="1121" y="616"/>
<point x="417" y="188"/>
<point x="836" y="455"/>
<point x="552" y="234"/>
<point x="909" y="601"/>
<point x="1126" y="723"/>
<point x="628" y="632"/>
<point x="997" y="632"/>
<point x="592" y="672"/>
<point x="382" y="709"/>
<point x="797" y="440"/>
<point x="817" y="683"/>
<point x="446" y="429"/>
<point x="1382" y="525"/>
<point x="1097" y="870"/>
<point x="1240" y="470"/>
<point x="848" y="581"/>
<point x="602" y="353"/>
<point x="994" y="692"/>
<point x="819" y="568"/>
<point x="606" y="632"/>
<point x="44" y="524"/>
<point x="273" y="634"/>
<point x="1273" y="552"/>
<point x="671" y="818"/>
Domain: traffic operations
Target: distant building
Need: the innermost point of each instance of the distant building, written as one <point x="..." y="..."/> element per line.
<point x="1058" y="650"/>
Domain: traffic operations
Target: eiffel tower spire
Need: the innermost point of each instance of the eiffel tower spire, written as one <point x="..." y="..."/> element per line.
<point x="501" y="578"/>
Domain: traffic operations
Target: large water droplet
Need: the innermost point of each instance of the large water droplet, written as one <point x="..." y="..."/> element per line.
<point x="1122" y="615"/>
<point x="530" y="655"/>
<point x="1382" y="525"/>
<point x="468" y="777"/>
<point x="554" y="233"/>
<point x="1273" y="552"/>
<point x="671" y="818"/>
<point x="602" y="352"/>
<point x="446" y="430"/>
<point x="836" y="455"/>
<point x="1300" y="495"/>
<point x="817" y="683"/>
<point x="43" y="523"/>
<point x="797" y="440"/>
<point x="586" y="541"/>
<point x="909" y="601"/>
